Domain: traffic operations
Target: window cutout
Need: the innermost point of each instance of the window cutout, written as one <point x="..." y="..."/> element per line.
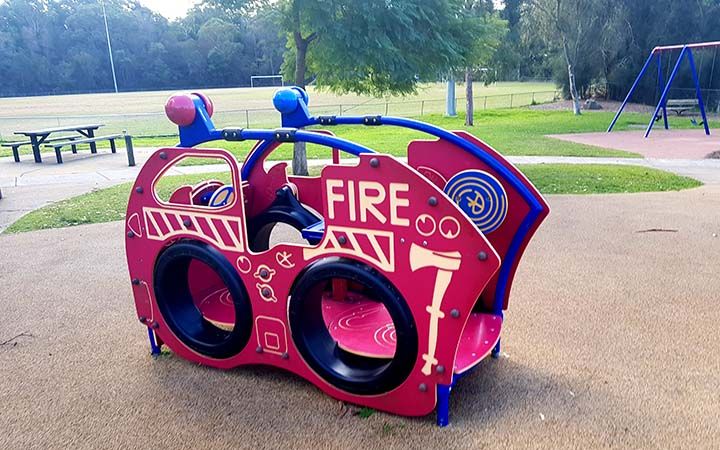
<point x="212" y="190"/>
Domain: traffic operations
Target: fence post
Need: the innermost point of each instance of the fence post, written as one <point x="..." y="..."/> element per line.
<point x="129" y="149"/>
<point x="247" y="119"/>
<point x="533" y="99"/>
<point x="386" y="108"/>
<point x="341" y="111"/>
<point x="422" y="107"/>
<point x="485" y="103"/>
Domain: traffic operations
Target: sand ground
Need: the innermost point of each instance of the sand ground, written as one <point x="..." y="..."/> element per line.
<point x="611" y="340"/>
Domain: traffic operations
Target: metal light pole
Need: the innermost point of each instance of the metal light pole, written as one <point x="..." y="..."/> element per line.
<point x="107" y="35"/>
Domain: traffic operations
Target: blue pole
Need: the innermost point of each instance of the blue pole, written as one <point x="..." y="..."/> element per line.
<point x="661" y="82"/>
<point x="701" y="104"/>
<point x="666" y="91"/>
<point x="632" y="91"/>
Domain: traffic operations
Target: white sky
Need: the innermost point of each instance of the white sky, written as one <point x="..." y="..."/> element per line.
<point x="172" y="9"/>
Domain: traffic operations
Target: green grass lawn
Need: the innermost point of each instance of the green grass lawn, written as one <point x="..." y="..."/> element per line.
<point x="519" y="131"/>
<point x="109" y="204"/>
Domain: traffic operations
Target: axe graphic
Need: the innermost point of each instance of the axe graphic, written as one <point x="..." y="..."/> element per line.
<point x="445" y="263"/>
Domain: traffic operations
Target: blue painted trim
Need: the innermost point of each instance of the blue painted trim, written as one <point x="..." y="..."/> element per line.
<point x="666" y="91"/>
<point x="268" y="137"/>
<point x="698" y="91"/>
<point x="632" y="91"/>
<point x="154" y="348"/>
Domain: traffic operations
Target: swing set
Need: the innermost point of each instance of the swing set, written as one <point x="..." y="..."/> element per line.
<point x="686" y="51"/>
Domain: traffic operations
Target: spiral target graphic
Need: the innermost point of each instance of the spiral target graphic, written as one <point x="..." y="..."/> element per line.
<point x="481" y="197"/>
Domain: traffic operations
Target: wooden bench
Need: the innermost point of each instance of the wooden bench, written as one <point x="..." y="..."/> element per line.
<point x="679" y="106"/>
<point x="16" y="145"/>
<point x="58" y="146"/>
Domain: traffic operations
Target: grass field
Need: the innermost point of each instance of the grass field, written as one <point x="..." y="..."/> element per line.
<point x="141" y="113"/>
<point x="109" y="204"/>
<point x="518" y="131"/>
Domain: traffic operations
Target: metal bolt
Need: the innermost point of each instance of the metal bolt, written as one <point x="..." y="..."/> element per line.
<point x="135" y="281"/>
<point x="402" y="240"/>
<point x="139" y="190"/>
<point x="258" y="349"/>
<point x="187" y="222"/>
<point x="482" y="256"/>
<point x="424" y="243"/>
<point x="342" y="240"/>
<point x="142" y="319"/>
<point x="130" y="234"/>
<point x="374" y="162"/>
<point x="285" y="355"/>
<point x="422" y="387"/>
<point x="155" y="325"/>
<point x="433" y="201"/>
<point x="163" y="155"/>
<point x="264" y="273"/>
<point x="266" y="292"/>
<point x="455" y="313"/>
<point x="440" y="369"/>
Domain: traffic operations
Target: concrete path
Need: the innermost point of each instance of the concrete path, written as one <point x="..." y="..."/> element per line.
<point x="610" y="341"/>
<point x="27" y="186"/>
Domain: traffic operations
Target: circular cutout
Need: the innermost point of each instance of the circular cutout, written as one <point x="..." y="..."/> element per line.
<point x="336" y="362"/>
<point x="202" y="300"/>
<point x="481" y="197"/>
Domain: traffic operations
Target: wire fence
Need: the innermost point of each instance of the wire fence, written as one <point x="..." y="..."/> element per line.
<point x="157" y="124"/>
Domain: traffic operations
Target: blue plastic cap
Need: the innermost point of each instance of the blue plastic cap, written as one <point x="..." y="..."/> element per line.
<point x="286" y="100"/>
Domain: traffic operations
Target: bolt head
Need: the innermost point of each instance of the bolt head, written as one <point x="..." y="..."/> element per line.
<point x="136" y="281"/>
<point x="440" y="369"/>
<point x="455" y="313"/>
<point x="130" y="234"/>
<point x="433" y="201"/>
<point x="422" y="387"/>
<point x="142" y="319"/>
<point x="266" y="292"/>
<point x="285" y="355"/>
<point x="187" y="223"/>
<point x="139" y="190"/>
<point x="258" y="349"/>
<point x="482" y="256"/>
<point x="163" y="155"/>
<point x="264" y="273"/>
<point x="342" y="240"/>
<point x="155" y="325"/>
<point x="374" y="162"/>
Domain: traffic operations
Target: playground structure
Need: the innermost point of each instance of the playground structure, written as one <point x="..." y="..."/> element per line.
<point x="686" y="51"/>
<point x="399" y="289"/>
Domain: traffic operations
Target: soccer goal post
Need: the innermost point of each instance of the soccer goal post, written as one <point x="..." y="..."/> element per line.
<point x="266" y="81"/>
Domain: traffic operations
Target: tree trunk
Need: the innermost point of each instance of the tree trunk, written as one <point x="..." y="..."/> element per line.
<point x="469" y="103"/>
<point x="299" y="162"/>
<point x="573" y="91"/>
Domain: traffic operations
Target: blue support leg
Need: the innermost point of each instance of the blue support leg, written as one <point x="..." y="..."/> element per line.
<point x="661" y="82"/>
<point x="632" y="91"/>
<point x="154" y="348"/>
<point x="701" y="103"/>
<point x="496" y="350"/>
<point x="443" y="404"/>
<point x="666" y="91"/>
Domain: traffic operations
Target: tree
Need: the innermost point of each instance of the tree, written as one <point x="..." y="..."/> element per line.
<point x="486" y="31"/>
<point x="574" y="27"/>
<point x="376" y="47"/>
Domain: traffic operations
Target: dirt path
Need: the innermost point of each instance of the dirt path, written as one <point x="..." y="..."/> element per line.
<point x="611" y="341"/>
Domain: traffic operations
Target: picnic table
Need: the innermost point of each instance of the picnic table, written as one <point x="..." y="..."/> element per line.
<point x="38" y="137"/>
